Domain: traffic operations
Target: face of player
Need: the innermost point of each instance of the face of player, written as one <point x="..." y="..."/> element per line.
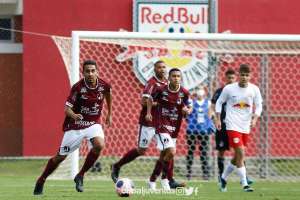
<point x="230" y="78"/>
<point x="160" y="70"/>
<point x="244" y="79"/>
<point x="175" y="80"/>
<point x="90" y="74"/>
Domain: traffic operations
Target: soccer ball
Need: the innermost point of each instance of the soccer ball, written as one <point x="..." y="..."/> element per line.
<point x="124" y="187"/>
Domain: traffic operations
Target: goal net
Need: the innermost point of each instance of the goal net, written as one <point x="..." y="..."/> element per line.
<point x="126" y="61"/>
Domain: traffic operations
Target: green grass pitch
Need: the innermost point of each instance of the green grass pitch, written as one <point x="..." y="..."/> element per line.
<point x="17" y="178"/>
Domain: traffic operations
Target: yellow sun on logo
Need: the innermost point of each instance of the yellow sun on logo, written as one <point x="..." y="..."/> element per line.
<point x="175" y="59"/>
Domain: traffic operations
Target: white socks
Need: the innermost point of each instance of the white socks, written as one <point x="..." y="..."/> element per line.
<point x="242" y="174"/>
<point x="228" y="170"/>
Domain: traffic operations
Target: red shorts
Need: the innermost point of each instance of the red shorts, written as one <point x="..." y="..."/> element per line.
<point x="237" y="139"/>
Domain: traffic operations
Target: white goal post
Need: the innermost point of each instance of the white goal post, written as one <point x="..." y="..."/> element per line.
<point x="263" y="50"/>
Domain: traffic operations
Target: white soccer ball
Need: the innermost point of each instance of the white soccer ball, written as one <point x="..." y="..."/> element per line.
<point x="124" y="187"/>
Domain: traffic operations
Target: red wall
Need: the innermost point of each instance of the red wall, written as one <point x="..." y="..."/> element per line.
<point x="45" y="81"/>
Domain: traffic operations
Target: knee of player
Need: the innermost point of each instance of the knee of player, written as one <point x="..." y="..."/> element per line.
<point x="142" y="151"/>
<point x="98" y="147"/>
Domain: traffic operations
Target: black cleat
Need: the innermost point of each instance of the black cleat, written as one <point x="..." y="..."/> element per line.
<point x="223" y="184"/>
<point x="174" y="184"/>
<point x="38" y="189"/>
<point x="114" y="173"/>
<point x="247" y="188"/>
<point x="79" y="183"/>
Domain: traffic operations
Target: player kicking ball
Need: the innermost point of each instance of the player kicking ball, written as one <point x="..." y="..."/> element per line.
<point x="83" y="110"/>
<point x="172" y="104"/>
<point x="239" y="98"/>
<point x="146" y="130"/>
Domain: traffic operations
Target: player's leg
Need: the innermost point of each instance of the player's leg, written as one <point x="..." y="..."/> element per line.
<point x="204" y="151"/>
<point x="240" y="160"/>
<point x="70" y="142"/>
<point x="95" y="136"/>
<point x="191" y="142"/>
<point x="170" y="174"/>
<point x="222" y="146"/>
<point x="166" y="145"/>
<point x="145" y="137"/>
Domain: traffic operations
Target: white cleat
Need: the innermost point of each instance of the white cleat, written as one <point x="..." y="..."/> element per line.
<point x="152" y="185"/>
<point x="165" y="184"/>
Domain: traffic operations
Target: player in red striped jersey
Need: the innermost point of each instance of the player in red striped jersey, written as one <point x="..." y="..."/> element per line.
<point x="83" y="110"/>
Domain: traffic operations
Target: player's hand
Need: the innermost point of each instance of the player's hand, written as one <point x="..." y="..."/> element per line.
<point x="186" y="111"/>
<point x="148" y="117"/>
<point x="253" y="122"/>
<point x="77" y="117"/>
<point x="218" y="124"/>
<point x="108" y="120"/>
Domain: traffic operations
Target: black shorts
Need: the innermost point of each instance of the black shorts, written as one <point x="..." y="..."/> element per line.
<point x="222" y="142"/>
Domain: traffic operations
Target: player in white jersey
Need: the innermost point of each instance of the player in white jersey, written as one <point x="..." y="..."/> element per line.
<point x="239" y="98"/>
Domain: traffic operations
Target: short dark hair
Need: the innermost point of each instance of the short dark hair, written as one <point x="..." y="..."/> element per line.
<point x="229" y="72"/>
<point x="244" y="68"/>
<point x="174" y="70"/>
<point x="158" y="62"/>
<point x="89" y="62"/>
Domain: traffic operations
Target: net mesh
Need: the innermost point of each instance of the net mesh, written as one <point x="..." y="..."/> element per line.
<point x="274" y="149"/>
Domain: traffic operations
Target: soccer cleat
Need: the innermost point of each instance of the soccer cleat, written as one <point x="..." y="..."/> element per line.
<point x="114" y="173"/>
<point x="223" y="184"/>
<point x="152" y="185"/>
<point x="247" y="188"/>
<point x="38" y="189"/>
<point x="78" y="183"/>
<point x="174" y="184"/>
<point x="249" y="181"/>
<point x="165" y="184"/>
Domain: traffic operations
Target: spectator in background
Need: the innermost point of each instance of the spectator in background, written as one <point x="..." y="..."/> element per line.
<point x="199" y="129"/>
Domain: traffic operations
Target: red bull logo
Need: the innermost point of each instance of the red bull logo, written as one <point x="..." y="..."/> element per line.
<point x="241" y="105"/>
<point x="170" y="17"/>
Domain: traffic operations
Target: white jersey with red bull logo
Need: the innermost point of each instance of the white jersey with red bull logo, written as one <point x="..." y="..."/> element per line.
<point x="239" y="106"/>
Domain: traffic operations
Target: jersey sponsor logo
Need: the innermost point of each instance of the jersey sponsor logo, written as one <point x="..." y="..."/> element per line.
<point x="171" y="114"/>
<point x="170" y="128"/>
<point x="94" y="110"/>
<point x="84" y="123"/>
<point x="236" y="140"/>
<point x="83" y="90"/>
<point x="241" y="105"/>
<point x="100" y="89"/>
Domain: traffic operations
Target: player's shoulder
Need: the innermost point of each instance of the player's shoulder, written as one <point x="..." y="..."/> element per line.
<point x="252" y="85"/>
<point x="184" y="90"/>
<point x="231" y="86"/>
<point x="78" y="85"/>
<point x="103" y="82"/>
<point x="154" y="81"/>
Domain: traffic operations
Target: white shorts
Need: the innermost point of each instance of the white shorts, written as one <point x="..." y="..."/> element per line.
<point x="164" y="141"/>
<point x="73" y="138"/>
<point x="146" y="135"/>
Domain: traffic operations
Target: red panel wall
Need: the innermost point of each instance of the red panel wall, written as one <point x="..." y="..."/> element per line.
<point x="45" y="81"/>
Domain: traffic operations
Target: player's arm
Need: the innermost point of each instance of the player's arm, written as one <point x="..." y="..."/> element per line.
<point x="69" y="105"/>
<point x="258" y="107"/>
<point x="70" y="113"/>
<point x="218" y="108"/>
<point x="108" y="99"/>
<point x="213" y="105"/>
<point x="145" y="99"/>
<point x="187" y="108"/>
<point x="148" y="116"/>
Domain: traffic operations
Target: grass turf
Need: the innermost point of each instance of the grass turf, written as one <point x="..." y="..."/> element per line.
<point x="17" y="178"/>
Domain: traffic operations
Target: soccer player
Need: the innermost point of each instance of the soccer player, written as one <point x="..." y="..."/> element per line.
<point x="82" y="109"/>
<point x="146" y="128"/>
<point x="239" y="98"/>
<point x="173" y="105"/>
<point x="221" y="136"/>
